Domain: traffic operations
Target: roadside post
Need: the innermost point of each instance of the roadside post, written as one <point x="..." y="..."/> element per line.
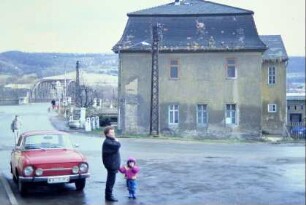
<point x="87" y="125"/>
<point x="93" y="123"/>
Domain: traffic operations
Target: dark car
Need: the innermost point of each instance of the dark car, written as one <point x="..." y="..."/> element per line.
<point x="298" y="132"/>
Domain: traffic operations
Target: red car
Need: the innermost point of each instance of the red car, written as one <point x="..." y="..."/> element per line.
<point x="47" y="157"/>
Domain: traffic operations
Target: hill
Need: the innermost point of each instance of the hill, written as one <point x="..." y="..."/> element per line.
<point x="90" y="79"/>
<point x="296" y="64"/>
<point x="49" y="64"/>
<point x="296" y="70"/>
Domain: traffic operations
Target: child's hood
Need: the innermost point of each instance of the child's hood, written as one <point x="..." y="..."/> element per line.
<point x="131" y="159"/>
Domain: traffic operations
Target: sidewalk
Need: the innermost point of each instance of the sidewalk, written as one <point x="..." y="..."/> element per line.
<point x="3" y="196"/>
<point x="6" y="195"/>
<point x="59" y="123"/>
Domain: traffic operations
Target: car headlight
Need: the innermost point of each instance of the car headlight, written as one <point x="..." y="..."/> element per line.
<point x="75" y="169"/>
<point x="28" y="170"/>
<point x="83" y="167"/>
<point x="39" y="172"/>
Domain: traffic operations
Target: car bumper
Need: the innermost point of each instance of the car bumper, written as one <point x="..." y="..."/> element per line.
<point x="44" y="179"/>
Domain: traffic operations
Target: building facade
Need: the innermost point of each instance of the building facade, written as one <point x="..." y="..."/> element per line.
<point x="296" y="103"/>
<point x="274" y="64"/>
<point x="211" y="72"/>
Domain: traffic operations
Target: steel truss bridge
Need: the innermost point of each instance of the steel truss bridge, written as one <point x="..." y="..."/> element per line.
<point x="52" y="89"/>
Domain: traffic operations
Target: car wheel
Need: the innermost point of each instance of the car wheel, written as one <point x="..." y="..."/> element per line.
<point x="80" y="184"/>
<point x="14" y="178"/>
<point x="13" y="175"/>
<point x="22" y="187"/>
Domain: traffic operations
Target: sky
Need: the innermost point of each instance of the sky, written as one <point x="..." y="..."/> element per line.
<point x="94" y="26"/>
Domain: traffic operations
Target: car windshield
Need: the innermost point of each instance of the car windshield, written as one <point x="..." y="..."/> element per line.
<point x="47" y="141"/>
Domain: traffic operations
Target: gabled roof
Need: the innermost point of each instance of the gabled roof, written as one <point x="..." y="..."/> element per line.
<point x="276" y="49"/>
<point x="191" y="7"/>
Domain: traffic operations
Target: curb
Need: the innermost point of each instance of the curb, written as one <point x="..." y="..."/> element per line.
<point x="8" y="190"/>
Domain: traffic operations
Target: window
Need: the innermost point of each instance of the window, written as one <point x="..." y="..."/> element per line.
<point x="271" y="107"/>
<point x="302" y="107"/>
<point x="174" y="69"/>
<point x="271" y="76"/>
<point x="231" y="68"/>
<point x="230" y="114"/>
<point x="288" y="107"/>
<point x="173" y="114"/>
<point x="201" y="114"/>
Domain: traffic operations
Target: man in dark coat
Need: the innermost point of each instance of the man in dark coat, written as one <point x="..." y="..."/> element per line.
<point x="111" y="161"/>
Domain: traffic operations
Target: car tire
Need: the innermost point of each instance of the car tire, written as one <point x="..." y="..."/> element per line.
<point x="15" y="180"/>
<point x="22" y="187"/>
<point x="80" y="184"/>
<point x="13" y="175"/>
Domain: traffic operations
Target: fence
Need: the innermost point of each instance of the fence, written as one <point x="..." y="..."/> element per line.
<point x="297" y="130"/>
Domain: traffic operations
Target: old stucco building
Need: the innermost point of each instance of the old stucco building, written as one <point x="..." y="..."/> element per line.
<point x="217" y="77"/>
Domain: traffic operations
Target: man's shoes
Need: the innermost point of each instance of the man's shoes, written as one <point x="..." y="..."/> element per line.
<point x="111" y="199"/>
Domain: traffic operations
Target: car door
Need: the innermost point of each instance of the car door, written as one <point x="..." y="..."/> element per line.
<point x="16" y="154"/>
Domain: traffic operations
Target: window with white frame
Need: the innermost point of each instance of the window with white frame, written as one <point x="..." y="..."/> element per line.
<point x="272" y="108"/>
<point x="271" y="75"/>
<point x="173" y="114"/>
<point x="174" y="69"/>
<point x="230" y="114"/>
<point x="202" y="114"/>
<point x="231" y="71"/>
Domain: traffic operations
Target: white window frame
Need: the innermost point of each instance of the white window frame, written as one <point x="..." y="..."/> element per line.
<point x="203" y="113"/>
<point x="272" y="108"/>
<point x="230" y="65"/>
<point x="232" y="115"/>
<point x="172" y="111"/>
<point x="271" y="75"/>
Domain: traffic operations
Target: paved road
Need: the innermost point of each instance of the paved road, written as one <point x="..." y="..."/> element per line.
<point x="172" y="172"/>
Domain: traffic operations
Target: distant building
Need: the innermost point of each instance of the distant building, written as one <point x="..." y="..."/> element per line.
<point x="296" y="103"/>
<point x="217" y="76"/>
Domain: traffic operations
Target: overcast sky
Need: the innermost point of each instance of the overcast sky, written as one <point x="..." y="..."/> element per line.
<point x="94" y="26"/>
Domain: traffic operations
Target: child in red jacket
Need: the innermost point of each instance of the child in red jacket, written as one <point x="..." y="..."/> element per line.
<point x="130" y="171"/>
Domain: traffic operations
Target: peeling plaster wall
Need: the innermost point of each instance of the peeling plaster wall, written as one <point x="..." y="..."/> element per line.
<point x="202" y="80"/>
<point x="273" y="123"/>
<point x="134" y="92"/>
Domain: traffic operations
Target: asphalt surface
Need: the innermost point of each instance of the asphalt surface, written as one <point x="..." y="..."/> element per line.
<point x="172" y="172"/>
<point x="4" y="199"/>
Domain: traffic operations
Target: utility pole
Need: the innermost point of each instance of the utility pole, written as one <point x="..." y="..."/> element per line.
<point x="154" y="111"/>
<point x="77" y="85"/>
